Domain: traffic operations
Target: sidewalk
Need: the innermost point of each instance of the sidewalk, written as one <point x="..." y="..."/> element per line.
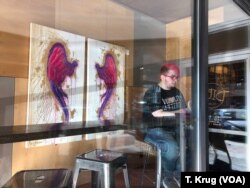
<point x="237" y="152"/>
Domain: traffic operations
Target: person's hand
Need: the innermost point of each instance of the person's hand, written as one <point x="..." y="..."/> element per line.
<point x="161" y="113"/>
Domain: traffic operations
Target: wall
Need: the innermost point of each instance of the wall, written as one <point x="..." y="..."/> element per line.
<point x="179" y="46"/>
<point x="149" y="49"/>
<point x="179" y="35"/>
<point x="6" y="118"/>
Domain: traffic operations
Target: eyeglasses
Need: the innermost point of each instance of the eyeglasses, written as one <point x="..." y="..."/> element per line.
<point x="173" y="77"/>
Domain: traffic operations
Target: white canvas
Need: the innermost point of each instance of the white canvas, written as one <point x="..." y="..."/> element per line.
<point x="50" y="77"/>
<point x="113" y="111"/>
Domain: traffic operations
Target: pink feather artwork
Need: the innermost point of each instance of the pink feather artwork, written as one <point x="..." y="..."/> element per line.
<point x="108" y="73"/>
<point x="58" y="69"/>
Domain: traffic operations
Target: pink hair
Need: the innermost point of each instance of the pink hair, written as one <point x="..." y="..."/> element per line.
<point x="170" y="66"/>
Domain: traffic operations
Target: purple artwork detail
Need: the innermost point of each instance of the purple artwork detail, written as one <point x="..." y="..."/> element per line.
<point x="58" y="69"/>
<point x="108" y="74"/>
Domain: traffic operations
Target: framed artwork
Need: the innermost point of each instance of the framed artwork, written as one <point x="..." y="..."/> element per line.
<point x="56" y="79"/>
<point x="105" y="82"/>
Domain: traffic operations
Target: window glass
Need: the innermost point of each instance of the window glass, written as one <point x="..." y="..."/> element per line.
<point x="88" y="64"/>
<point x="227" y="115"/>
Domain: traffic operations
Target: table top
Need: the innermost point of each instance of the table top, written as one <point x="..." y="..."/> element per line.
<point x="19" y="133"/>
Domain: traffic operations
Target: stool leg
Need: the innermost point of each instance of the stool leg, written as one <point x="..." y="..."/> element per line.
<point x="75" y="175"/>
<point x="146" y="155"/>
<point x="158" y="175"/>
<point x="95" y="179"/>
<point x="126" y="178"/>
<point x="108" y="180"/>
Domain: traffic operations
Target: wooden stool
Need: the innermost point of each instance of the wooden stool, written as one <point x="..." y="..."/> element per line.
<point x="103" y="164"/>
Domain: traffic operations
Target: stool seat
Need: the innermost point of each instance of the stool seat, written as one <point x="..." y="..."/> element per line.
<point x="103" y="164"/>
<point x="51" y="178"/>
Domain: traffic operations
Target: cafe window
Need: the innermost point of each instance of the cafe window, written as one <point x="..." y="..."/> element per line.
<point x="227" y="86"/>
<point x="227" y="95"/>
<point x="228" y="83"/>
<point x="57" y="61"/>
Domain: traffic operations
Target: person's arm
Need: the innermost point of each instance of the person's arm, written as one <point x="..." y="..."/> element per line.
<point x="152" y="102"/>
<point x="161" y="113"/>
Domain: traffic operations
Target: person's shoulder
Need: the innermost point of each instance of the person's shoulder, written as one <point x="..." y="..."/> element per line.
<point x="152" y="89"/>
<point x="176" y="89"/>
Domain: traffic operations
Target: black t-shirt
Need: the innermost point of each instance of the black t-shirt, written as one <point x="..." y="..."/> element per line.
<point x="172" y="99"/>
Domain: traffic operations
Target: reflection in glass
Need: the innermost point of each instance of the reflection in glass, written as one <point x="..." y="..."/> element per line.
<point x="227" y="116"/>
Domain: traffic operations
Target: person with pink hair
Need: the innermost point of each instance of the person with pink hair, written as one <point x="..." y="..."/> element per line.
<point x="160" y="101"/>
